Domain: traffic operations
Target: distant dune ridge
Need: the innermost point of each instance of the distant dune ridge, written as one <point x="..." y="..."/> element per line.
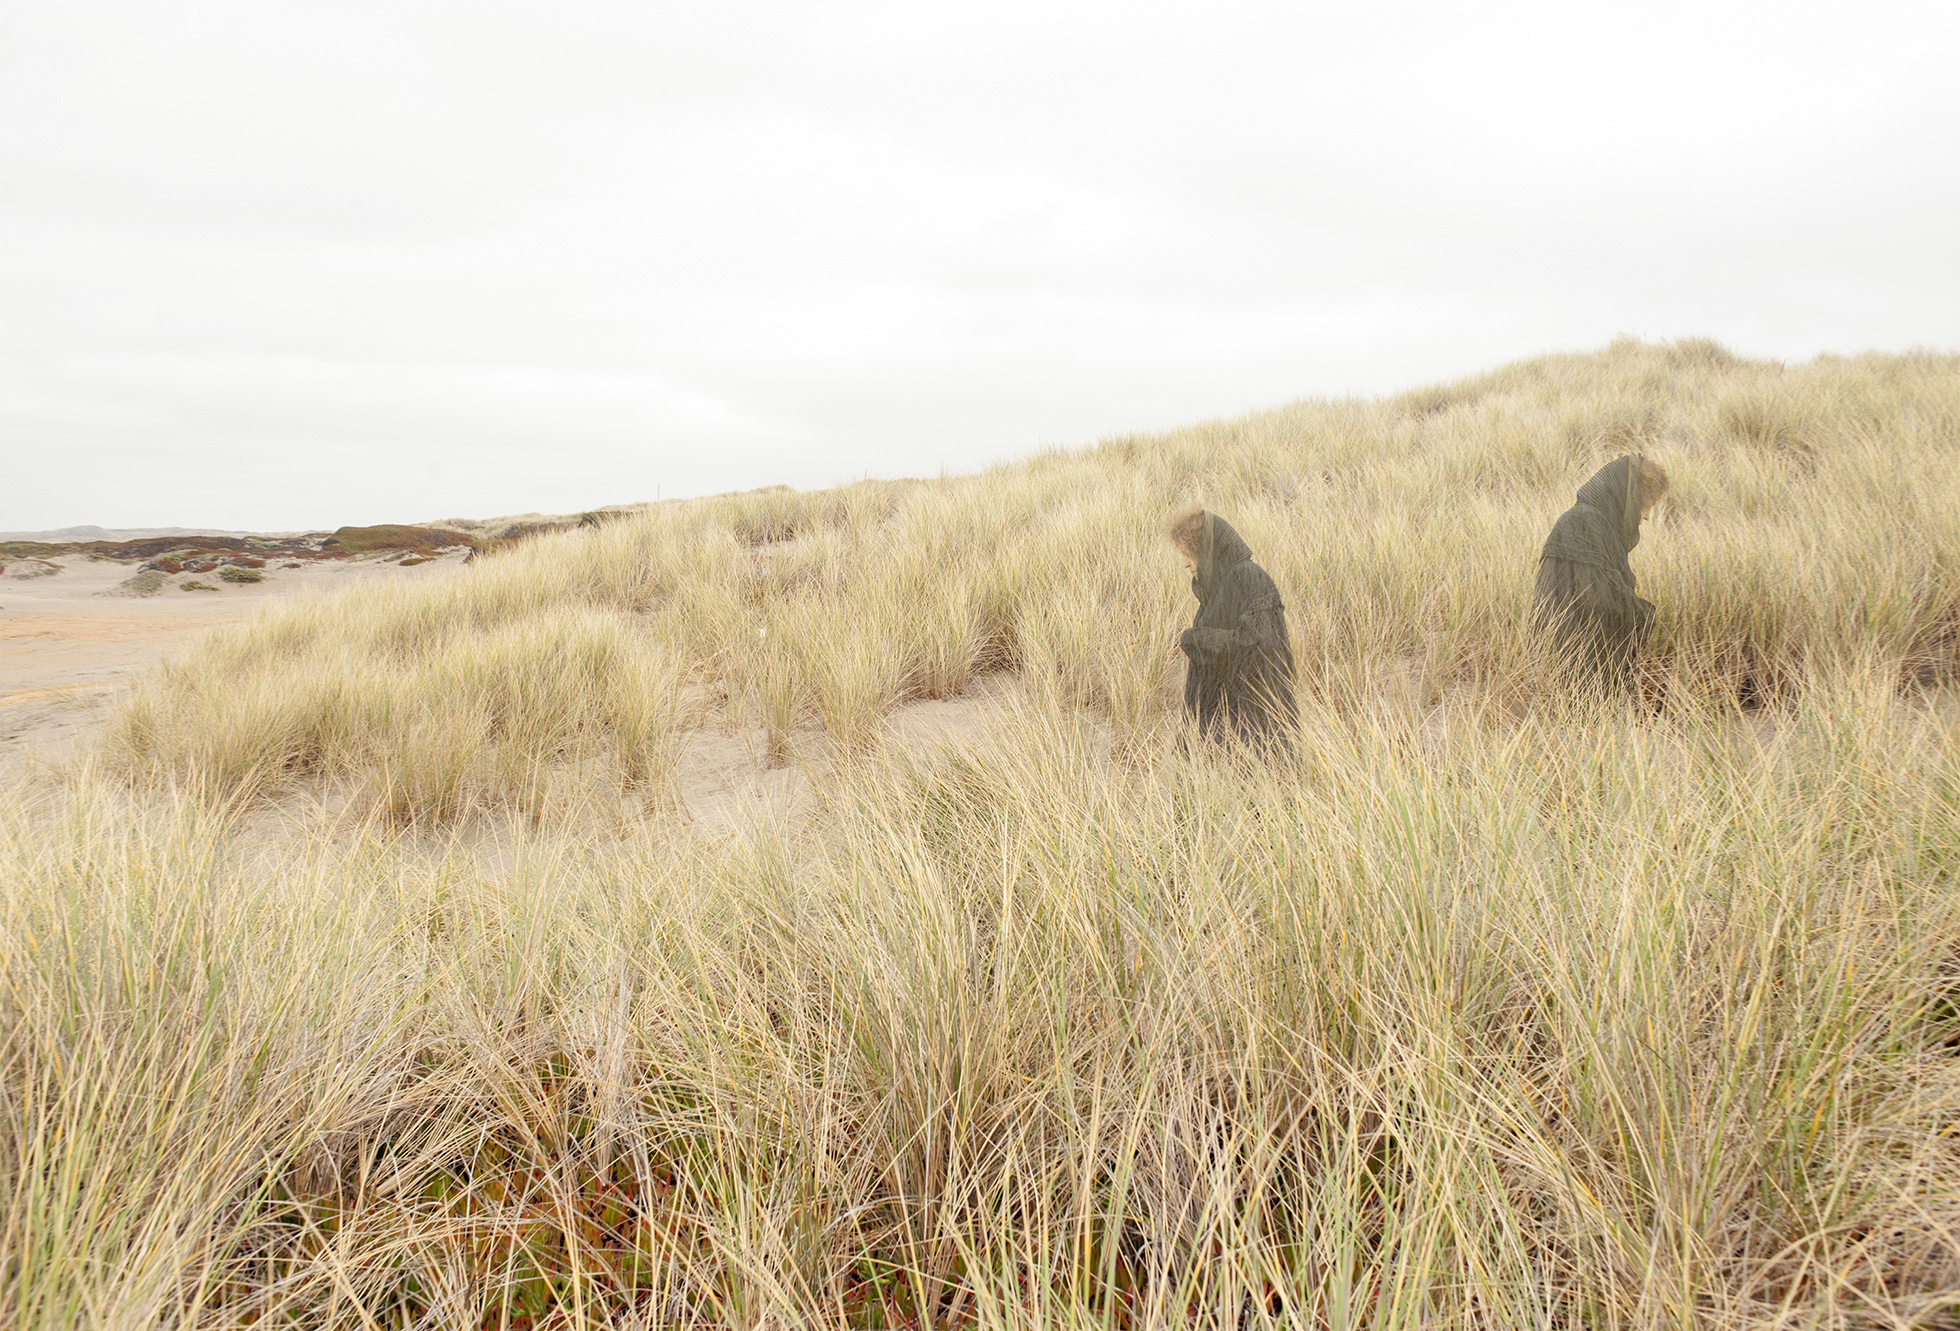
<point x="477" y="526"/>
<point x="491" y="528"/>
<point x="384" y="950"/>
<point x="64" y="535"/>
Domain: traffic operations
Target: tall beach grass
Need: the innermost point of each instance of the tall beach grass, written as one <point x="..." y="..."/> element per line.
<point x="339" y="992"/>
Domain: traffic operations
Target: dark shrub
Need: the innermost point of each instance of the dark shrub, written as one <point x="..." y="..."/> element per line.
<point x="359" y="540"/>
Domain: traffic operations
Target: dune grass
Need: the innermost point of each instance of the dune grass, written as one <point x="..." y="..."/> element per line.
<point x="339" y="993"/>
<point x="1814" y="519"/>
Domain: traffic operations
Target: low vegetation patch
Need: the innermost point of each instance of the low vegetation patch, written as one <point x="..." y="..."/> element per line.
<point x="234" y="573"/>
<point x="147" y="582"/>
<point x="193" y="585"/>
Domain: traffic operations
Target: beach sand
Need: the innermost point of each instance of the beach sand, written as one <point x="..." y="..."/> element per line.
<point x="70" y="644"/>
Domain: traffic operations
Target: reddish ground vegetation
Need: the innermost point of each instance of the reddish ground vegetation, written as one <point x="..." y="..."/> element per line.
<point x="388" y="536"/>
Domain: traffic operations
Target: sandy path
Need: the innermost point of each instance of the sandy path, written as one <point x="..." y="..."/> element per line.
<point x="69" y="645"/>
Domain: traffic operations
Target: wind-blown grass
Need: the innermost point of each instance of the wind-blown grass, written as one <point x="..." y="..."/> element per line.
<point x="1814" y="513"/>
<point x="1495" y="1007"/>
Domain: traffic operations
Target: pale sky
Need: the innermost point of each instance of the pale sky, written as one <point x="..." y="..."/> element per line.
<point x="294" y="264"/>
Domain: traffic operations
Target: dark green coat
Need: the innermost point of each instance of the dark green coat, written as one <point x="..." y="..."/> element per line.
<point x="1585" y="594"/>
<point x="1239" y="680"/>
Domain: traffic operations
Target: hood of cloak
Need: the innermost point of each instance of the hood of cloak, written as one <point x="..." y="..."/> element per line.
<point x="1220" y="550"/>
<point x="1611" y="499"/>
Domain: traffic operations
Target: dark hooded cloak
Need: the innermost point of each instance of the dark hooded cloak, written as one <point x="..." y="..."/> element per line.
<point x="1239" y="681"/>
<point x="1585" y="593"/>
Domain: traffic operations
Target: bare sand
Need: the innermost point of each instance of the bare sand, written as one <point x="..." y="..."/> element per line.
<point x="70" y="644"/>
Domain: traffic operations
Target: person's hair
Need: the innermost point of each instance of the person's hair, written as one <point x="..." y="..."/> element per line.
<point x="1653" y="482"/>
<point x="1187" y="528"/>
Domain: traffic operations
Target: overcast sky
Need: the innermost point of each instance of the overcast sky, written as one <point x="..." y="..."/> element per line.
<point x="293" y="264"/>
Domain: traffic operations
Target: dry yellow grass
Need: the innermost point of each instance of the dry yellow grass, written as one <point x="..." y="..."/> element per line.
<point x="367" y="978"/>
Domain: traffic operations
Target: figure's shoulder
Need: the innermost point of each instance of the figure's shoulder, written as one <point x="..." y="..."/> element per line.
<point x="1583" y="517"/>
<point x="1581" y="534"/>
<point x="1255" y="584"/>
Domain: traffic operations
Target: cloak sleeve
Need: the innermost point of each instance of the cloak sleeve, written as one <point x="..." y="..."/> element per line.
<point x="1257" y="630"/>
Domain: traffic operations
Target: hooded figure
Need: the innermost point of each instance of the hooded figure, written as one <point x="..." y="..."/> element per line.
<point x="1239" y="680"/>
<point x="1585" y="595"/>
